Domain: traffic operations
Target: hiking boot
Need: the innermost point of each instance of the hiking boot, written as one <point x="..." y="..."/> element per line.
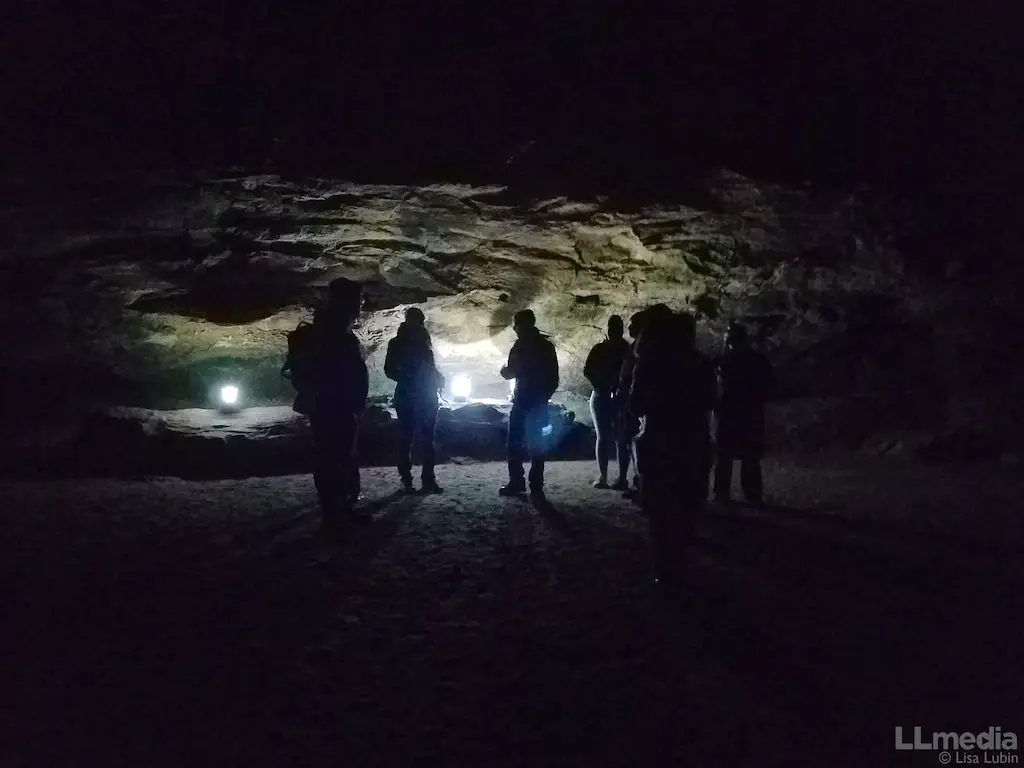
<point x="407" y="486"/>
<point x="431" y="486"/>
<point x="601" y="482"/>
<point x="621" y="485"/>
<point x="512" y="488"/>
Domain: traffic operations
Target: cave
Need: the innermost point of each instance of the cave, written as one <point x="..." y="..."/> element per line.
<point x="157" y="290"/>
<point x="181" y="185"/>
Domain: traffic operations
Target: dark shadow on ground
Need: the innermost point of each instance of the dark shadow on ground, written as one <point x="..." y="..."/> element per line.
<point x="165" y="662"/>
<point x="870" y="659"/>
<point x="817" y="559"/>
<point x="834" y="519"/>
<point x="201" y="654"/>
<point x="854" y="637"/>
<point x="554" y="517"/>
<point x="365" y="540"/>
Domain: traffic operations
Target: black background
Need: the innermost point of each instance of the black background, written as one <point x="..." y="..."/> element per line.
<point x="901" y="93"/>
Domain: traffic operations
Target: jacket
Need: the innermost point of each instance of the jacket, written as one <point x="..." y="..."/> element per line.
<point x="409" y="362"/>
<point x="604" y="364"/>
<point x="340" y="382"/>
<point x="533" y="363"/>
<point x="673" y="392"/>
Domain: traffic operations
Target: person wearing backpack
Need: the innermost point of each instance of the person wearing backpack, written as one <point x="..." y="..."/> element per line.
<point x="602" y="371"/>
<point x="533" y="363"/>
<point x="298" y="365"/>
<point x="326" y="366"/>
<point x="410" y="364"/>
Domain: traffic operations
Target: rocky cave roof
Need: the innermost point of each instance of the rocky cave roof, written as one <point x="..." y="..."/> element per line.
<point x="137" y="288"/>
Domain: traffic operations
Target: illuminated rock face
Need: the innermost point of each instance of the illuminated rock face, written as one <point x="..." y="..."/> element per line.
<point x="148" y="292"/>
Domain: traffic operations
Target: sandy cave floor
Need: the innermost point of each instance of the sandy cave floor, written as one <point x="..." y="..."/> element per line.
<point x="171" y="623"/>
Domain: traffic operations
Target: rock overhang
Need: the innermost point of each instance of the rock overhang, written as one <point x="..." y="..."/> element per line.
<point x="143" y="290"/>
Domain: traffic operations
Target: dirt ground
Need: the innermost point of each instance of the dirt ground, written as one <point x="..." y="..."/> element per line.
<point x="190" y="623"/>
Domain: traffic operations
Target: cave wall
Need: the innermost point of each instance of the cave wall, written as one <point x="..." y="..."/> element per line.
<point x="146" y="291"/>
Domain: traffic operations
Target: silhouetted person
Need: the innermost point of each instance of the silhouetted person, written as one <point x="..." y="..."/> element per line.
<point x="339" y="386"/>
<point x="602" y="368"/>
<point x="410" y="363"/>
<point x="629" y="421"/>
<point x="533" y="364"/>
<point x="673" y="392"/>
<point x="745" y="380"/>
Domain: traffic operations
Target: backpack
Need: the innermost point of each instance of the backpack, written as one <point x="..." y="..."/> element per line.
<point x="604" y="364"/>
<point x="549" y="360"/>
<point x="298" y="364"/>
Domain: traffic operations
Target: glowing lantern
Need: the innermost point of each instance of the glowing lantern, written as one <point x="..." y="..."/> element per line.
<point x="462" y="386"/>
<point x="229" y="394"/>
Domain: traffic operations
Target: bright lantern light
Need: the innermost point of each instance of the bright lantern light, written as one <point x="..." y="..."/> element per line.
<point x="462" y="385"/>
<point x="229" y="394"/>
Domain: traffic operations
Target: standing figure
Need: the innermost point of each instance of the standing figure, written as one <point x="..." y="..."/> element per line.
<point x="673" y="392"/>
<point x="338" y="384"/>
<point x="632" y="422"/>
<point x="745" y="377"/>
<point x="533" y="363"/>
<point x="410" y="363"/>
<point x="602" y="369"/>
<point x="628" y="423"/>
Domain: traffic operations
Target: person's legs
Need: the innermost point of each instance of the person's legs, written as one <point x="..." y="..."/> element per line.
<point x="694" y="496"/>
<point x="623" y="452"/>
<point x="632" y="489"/>
<point x="600" y="411"/>
<point x="537" y="474"/>
<point x="350" y="480"/>
<point x="659" y="500"/>
<point x="751" y="479"/>
<point x="428" y="425"/>
<point x="723" y="476"/>
<point x="325" y="478"/>
<point x="633" y="460"/>
<point x="407" y="432"/>
<point x="355" y="481"/>
<point x="707" y="467"/>
<point x="631" y="426"/>
<point x="332" y="469"/>
<point x="516" y="438"/>
<point x="537" y="445"/>
<point x="349" y="462"/>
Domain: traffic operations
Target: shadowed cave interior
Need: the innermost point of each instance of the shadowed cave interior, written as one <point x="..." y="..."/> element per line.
<point x="154" y="291"/>
<point x="178" y="184"/>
